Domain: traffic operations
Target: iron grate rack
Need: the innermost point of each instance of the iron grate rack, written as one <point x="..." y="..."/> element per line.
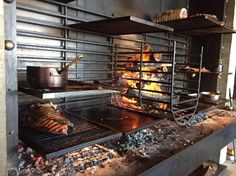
<point x="50" y="145"/>
<point x="177" y="104"/>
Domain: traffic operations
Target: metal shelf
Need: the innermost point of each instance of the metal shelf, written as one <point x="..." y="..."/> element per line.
<point x="53" y="94"/>
<point x="198" y="26"/>
<point x="122" y="25"/>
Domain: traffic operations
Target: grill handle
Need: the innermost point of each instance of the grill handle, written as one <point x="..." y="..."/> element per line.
<point x="78" y="58"/>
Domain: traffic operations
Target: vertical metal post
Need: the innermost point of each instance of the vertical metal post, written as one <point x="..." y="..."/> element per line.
<point x="170" y="47"/>
<point x="11" y="87"/>
<point x="199" y="78"/>
<point x="65" y="31"/>
<point x="173" y="78"/>
<point x="189" y="44"/>
<point x="115" y="63"/>
<point x="140" y="74"/>
<point x="65" y="34"/>
<point x="3" y="129"/>
<point x="111" y="41"/>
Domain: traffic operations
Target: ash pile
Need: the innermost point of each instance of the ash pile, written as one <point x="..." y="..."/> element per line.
<point x="199" y="117"/>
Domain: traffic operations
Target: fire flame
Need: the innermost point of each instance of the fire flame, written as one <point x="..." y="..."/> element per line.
<point x="130" y="79"/>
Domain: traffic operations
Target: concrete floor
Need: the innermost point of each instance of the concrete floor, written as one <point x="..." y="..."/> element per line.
<point x="231" y="169"/>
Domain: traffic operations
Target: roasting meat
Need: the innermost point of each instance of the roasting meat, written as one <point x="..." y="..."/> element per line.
<point x="205" y="14"/>
<point x="47" y="118"/>
<point x="192" y="69"/>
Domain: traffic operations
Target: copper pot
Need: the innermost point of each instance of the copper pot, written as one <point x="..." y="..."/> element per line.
<point x="48" y="77"/>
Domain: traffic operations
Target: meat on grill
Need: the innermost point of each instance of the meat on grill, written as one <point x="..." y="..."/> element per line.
<point x="45" y="117"/>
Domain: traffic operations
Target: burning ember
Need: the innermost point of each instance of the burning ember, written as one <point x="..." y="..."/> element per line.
<point x="86" y="160"/>
<point x="31" y="163"/>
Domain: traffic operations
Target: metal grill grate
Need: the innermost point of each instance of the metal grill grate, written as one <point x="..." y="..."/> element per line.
<point x="83" y="134"/>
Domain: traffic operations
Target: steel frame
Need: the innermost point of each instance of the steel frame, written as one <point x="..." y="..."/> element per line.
<point x="174" y="107"/>
<point x="11" y="87"/>
<point x="11" y="58"/>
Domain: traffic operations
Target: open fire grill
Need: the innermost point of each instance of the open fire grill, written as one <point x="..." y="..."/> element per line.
<point x="132" y="81"/>
<point x="148" y="86"/>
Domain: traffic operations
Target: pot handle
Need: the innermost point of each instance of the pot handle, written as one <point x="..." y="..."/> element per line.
<point x="78" y="58"/>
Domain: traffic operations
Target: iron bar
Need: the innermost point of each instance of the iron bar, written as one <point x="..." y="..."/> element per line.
<point x="46" y="12"/>
<point x="186" y="101"/>
<point x="146" y="62"/>
<point x="154" y="91"/>
<point x="185" y="109"/>
<point x="146" y="98"/>
<point x="91" y="79"/>
<point x="39" y="22"/>
<point x="59" y="61"/>
<point x="146" y="80"/>
<point x="183" y="80"/>
<point x="185" y="88"/>
<point x="48" y="36"/>
<point x="199" y="78"/>
<point x="142" y="41"/>
<point x="144" y="71"/>
<point x="60" y="49"/>
<point x="77" y="8"/>
<point x="140" y="75"/>
<point x="144" y="52"/>
<point x="173" y="80"/>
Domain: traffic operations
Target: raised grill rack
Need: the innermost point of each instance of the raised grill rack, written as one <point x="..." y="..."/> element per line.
<point x="179" y="106"/>
<point x="50" y="145"/>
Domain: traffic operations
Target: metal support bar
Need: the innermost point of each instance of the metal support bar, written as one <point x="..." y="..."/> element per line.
<point x="3" y="127"/>
<point x="11" y="87"/>
<point x="185" y="109"/>
<point x="53" y="37"/>
<point x="140" y="72"/>
<point x="179" y="119"/>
